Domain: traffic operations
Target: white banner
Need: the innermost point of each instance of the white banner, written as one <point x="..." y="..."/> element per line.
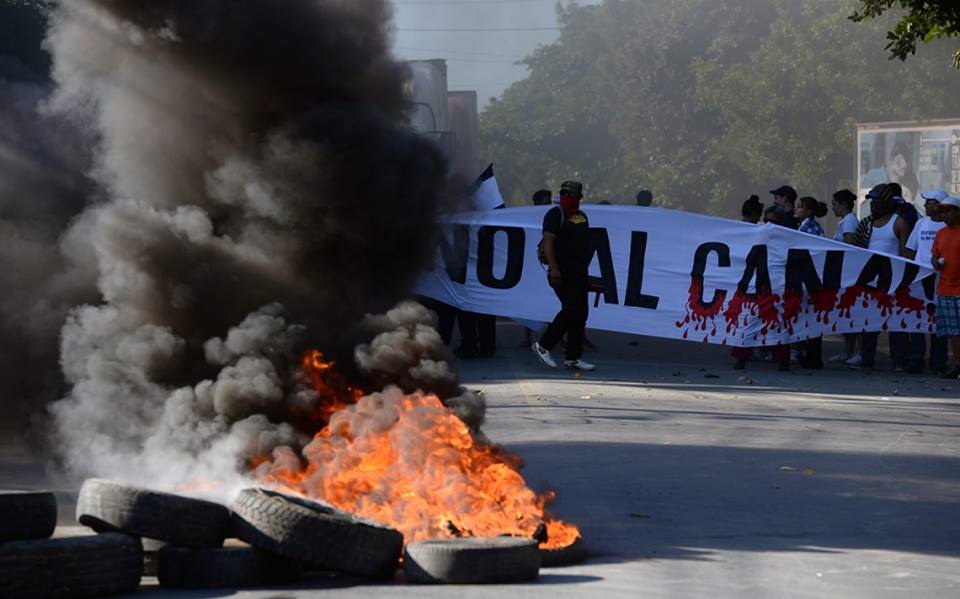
<point x="684" y="276"/>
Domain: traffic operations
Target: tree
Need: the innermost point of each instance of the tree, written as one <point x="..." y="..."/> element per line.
<point x="705" y="101"/>
<point x="922" y="21"/>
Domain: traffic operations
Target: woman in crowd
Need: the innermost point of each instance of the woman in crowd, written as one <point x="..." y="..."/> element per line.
<point x="752" y="210"/>
<point x="808" y="210"/>
<point x="844" y="202"/>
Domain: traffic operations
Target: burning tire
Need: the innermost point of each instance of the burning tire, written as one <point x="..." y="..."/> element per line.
<point x="108" y="506"/>
<point x="573" y="553"/>
<point x="472" y="561"/>
<point x="239" y="567"/>
<point x="317" y="534"/>
<point x="89" y="566"/>
<point x="27" y="515"/>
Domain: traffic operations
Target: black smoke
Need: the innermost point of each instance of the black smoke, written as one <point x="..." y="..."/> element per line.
<point x="257" y="193"/>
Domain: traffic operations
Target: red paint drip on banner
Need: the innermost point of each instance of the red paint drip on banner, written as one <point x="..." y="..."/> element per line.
<point x="779" y="315"/>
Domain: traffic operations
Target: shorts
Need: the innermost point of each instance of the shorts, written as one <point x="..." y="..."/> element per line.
<point x="948" y="315"/>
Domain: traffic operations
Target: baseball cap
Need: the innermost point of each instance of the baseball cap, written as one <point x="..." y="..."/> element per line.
<point x="951" y="201"/>
<point x="574" y="187"/>
<point x="785" y="190"/>
<point x="878" y="191"/>
<point x="937" y="195"/>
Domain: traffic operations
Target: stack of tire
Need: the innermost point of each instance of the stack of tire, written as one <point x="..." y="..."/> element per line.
<point x="34" y="565"/>
<point x="184" y="538"/>
<point x="269" y="538"/>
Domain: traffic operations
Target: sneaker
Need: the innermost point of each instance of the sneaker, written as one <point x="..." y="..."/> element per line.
<point x="854" y="360"/>
<point x="740" y="365"/>
<point x="579" y="365"/>
<point x="899" y="369"/>
<point x="838" y="358"/>
<point x="543" y="354"/>
<point x="795" y="356"/>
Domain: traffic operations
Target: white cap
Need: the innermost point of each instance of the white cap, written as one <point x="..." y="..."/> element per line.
<point x="938" y="195"/>
<point x="951" y="201"/>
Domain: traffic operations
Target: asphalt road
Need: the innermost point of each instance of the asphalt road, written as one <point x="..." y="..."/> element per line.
<point x="690" y="481"/>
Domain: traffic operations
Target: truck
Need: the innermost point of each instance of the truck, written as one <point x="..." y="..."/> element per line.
<point x="450" y="118"/>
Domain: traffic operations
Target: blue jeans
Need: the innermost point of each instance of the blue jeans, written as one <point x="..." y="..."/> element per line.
<point x="938" y="351"/>
<point x="898" y="348"/>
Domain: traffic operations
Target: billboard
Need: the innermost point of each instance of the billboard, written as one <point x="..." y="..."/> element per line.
<point x="920" y="156"/>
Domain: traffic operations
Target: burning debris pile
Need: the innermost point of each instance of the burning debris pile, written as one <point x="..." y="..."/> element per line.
<point x="263" y="210"/>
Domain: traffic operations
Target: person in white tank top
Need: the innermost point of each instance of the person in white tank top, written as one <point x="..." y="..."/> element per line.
<point x="888" y="234"/>
<point x="884" y="238"/>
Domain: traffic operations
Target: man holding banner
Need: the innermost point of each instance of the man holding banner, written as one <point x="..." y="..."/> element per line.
<point x="946" y="260"/>
<point x="566" y="245"/>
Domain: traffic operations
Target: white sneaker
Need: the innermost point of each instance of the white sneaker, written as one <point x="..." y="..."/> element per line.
<point x="838" y="358"/>
<point x="854" y="360"/>
<point x="543" y="354"/>
<point x="579" y="365"/>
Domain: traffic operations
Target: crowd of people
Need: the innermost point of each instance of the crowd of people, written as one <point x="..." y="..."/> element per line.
<point x="893" y="227"/>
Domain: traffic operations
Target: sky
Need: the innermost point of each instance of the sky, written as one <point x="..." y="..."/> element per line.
<point x="476" y="60"/>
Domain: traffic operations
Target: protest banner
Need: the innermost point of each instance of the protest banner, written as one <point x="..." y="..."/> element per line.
<point x="684" y="276"/>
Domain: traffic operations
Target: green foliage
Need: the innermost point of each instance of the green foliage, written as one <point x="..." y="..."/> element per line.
<point x="921" y="21"/>
<point x="704" y="101"/>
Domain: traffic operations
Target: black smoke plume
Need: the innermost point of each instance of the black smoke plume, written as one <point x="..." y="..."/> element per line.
<point x="262" y="197"/>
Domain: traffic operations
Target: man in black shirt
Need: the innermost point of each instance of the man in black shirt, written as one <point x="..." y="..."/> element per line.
<point x="784" y="198"/>
<point x="566" y="244"/>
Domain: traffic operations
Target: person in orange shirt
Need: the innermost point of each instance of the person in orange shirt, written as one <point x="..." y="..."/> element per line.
<point x="946" y="260"/>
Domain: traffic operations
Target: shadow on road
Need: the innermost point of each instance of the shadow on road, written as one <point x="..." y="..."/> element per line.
<point x="641" y="501"/>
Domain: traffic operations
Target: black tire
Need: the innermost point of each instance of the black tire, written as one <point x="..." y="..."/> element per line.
<point x="237" y="567"/>
<point x="316" y="534"/>
<point x="108" y="506"/>
<point x="27" y="515"/>
<point x="574" y="553"/>
<point x="472" y="561"/>
<point x="89" y="566"/>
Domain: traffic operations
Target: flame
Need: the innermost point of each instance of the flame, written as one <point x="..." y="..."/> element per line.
<point x="333" y="391"/>
<point x="407" y="461"/>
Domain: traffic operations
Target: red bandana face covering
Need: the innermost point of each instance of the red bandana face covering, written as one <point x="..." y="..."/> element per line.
<point x="570" y="205"/>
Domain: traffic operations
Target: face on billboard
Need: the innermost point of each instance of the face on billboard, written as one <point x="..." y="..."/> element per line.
<point x="918" y="160"/>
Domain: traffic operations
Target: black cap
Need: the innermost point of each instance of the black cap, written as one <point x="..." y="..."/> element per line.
<point x="785" y="190"/>
<point x="879" y="191"/>
<point x="574" y="187"/>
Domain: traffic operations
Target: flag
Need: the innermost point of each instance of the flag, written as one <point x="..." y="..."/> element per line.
<point x="486" y="192"/>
